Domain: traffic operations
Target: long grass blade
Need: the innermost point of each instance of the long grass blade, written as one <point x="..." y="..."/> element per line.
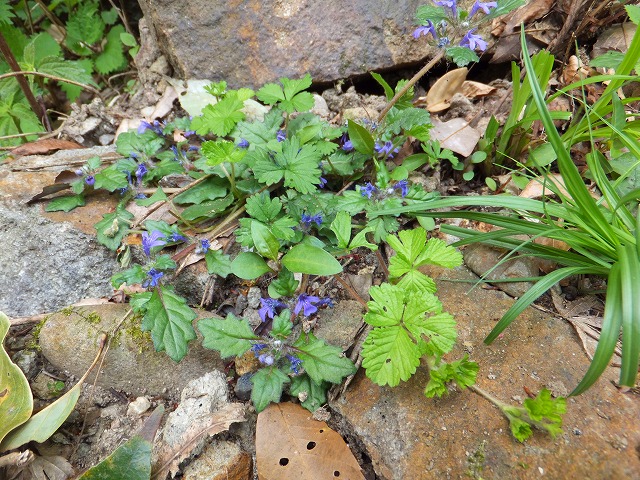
<point x="630" y="280"/>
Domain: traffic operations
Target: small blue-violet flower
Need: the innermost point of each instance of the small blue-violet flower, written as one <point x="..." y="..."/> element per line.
<point x="306" y="303"/>
<point x="256" y="348"/>
<point x="368" y="190"/>
<point x="151" y="240"/>
<point x="484" y="6"/>
<point x="204" y="246"/>
<point x="176" y="237"/>
<point x="473" y="41"/>
<point x="386" y="150"/>
<point x="281" y="136"/>
<point x="243" y="143"/>
<point x="155" y="127"/>
<point x="141" y="171"/>
<point x="266" y="359"/>
<point x="154" y="276"/>
<point x="269" y="308"/>
<point x="450" y="4"/>
<point x="307" y="220"/>
<point x="403" y="186"/>
<point x="295" y="363"/>
<point x="323" y="182"/>
<point x="429" y="28"/>
<point x="89" y="180"/>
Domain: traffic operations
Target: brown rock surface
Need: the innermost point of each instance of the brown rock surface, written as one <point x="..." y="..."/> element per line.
<point x="463" y="435"/>
<point x="220" y="460"/>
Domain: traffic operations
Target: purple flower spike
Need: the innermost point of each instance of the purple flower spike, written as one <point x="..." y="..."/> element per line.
<point x="323" y="182"/>
<point x="141" y="171"/>
<point x="295" y="363"/>
<point x="144" y="125"/>
<point x="473" y="41"/>
<point x="154" y="276"/>
<point x="150" y="240"/>
<point x="347" y="146"/>
<point x="449" y="4"/>
<point x="484" y="6"/>
<point x="204" y="246"/>
<point x="387" y="150"/>
<point x="243" y="143"/>
<point x="403" y="186"/>
<point x="306" y="303"/>
<point x="281" y="136"/>
<point x="90" y="180"/>
<point x="176" y="237"/>
<point x="269" y="308"/>
<point x="368" y="190"/>
<point x="307" y="220"/>
<point x="429" y="28"/>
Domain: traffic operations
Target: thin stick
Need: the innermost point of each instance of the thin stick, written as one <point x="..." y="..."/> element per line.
<point x="19" y="74"/>
<point x="26" y="320"/>
<point x="382" y="263"/>
<point x="410" y="84"/>
<point x="351" y="291"/>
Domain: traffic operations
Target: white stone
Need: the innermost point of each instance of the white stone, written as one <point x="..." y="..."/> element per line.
<point x="138" y="406"/>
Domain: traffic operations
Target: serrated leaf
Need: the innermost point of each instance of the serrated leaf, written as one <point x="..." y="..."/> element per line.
<point x="433" y="13"/>
<point x="130" y="276"/>
<point x="391" y="305"/>
<point x="439" y="330"/>
<point x="361" y="138"/>
<point x="462" y="56"/>
<point x="66" y="203"/>
<point x="221" y="151"/>
<point x="231" y="336"/>
<point x="267" y="387"/>
<point x="84" y="26"/>
<point x="520" y="429"/>
<point x="322" y="362"/>
<point x="283" y="286"/>
<point x="403" y="120"/>
<point x="220" y="118"/>
<point x="303" y="258"/>
<point x="314" y="395"/>
<point x="218" y="263"/>
<point x="112" y="58"/>
<point x="147" y="143"/>
<point x="111" y="179"/>
<point x="17" y="402"/>
<point x="6" y="14"/>
<point x="360" y="240"/>
<point x="462" y="371"/>
<point x="113" y="227"/>
<point x="281" y="326"/>
<point x="291" y="98"/>
<point x="65" y="69"/>
<point x="259" y="133"/>
<point x="249" y="265"/>
<point x="263" y="208"/>
<point x="271" y="93"/>
<point x="389" y="355"/>
<point x="546" y="411"/>
<point x="169" y="318"/>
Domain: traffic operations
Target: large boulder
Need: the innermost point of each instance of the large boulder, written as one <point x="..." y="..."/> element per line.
<point x="248" y="43"/>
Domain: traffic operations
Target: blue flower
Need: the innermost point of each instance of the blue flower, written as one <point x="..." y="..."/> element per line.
<point x="307" y="220"/>
<point x="89" y="180"/>
<point x="243" y="143"/>
<point x="403" y="186"/>
<point x="484" y="6"/>
<point x="306" y="303"/>
<point x="281" y="136"/>
<point x="79" y="172"/>
<point x="368" y="190"/>
<point x="156" y="127"/>
<point x="257" y="347"/>
<point x="151" y="240"/>
<point x="154" y="276"/>
<point x="450" y="4"/>
<point x="325" y="301"/>
<point x="323" y="182"/>
<point x="266" y="359"/>
<point x="204" y="246"/>
<point x="141" y="172"/>
<point x="295" y="363"/>
<point x="268" y="309"/>
<point x="429" y="28"/>
<point x="176" y="237"/>
<point x="176" y="155"/>
<point x="473" y="41"/>
<point x="387" y="150"/>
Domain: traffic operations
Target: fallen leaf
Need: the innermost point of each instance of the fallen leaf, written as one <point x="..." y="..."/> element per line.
<point x="617" y="38"/>
<point x="165" y="104"/>
<point x="541" y="186"/>
<point x="574" y="71"/>
<point x="305" y="449"/>
<point x="471" y="89"/>
<point x="440" y="94"/>
<point x="42" y="468"/>
<point x="169" y="457"/>
<point x="456" y="135"/>
<point x="44" y="146"/>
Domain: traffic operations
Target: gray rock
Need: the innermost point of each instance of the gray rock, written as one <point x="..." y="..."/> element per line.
<point x="243" y="387"/>
<point x="253" y="297"/>
<point x="339" y="325"/>
<point x="131" y="364"/>
<point x="258" y="42"/>
<point x="27" y="361"/>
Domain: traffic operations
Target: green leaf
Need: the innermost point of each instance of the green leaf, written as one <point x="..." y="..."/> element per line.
<point x="249" y="265"/>
<point x="547" y="409"/>
<point x="112" y="58"/>
<point x="218" y="263"/>
<point x="267" y="387"/>
<point x="361" y="138"/>
<point x="221" y="151"/>
<point x="132" y="459"/>
<point x="169" y="318"/>
<point x="404" y="120"/>
<point x="433" y="13"/>
<point x="504" y="7"/>
<point x="231" y="336"/>
<point x="262" y="208"/>
<point x="17" y="402"/>
<point x="520" y="429"/>
<point x="281" y="327"/>
<point x="297" y="165"/>
<point x="209" y="209"/>
<point x="462" y="371"/>
<point x="6" y="14"/>
<point x="292" y="98"/>
<point x="164" y="262"/>
<point x="147" y="143"/>
<point x="303" y="258"/>
<point x="158" y="196"/>
<point x="360" y="240"/>
<point x="462" y="56"/>
<point x="634" y="13"/>
<point x="113" y="227"/>
<point x="111" y="179"/>
<point x="389" y="355"/>
<point x="322" y="362"/>
<point x="130" y="276"/>
<point x="388" y="91"/>
<point x="65" y="69"/>
<point x="209" y="189"/>
<point x="314" y="395"/>
<point x="65" y="204"/>
<point x="440" y="329"/>
<point x="220" y="118"/>
<point x="85" y="26"/>
<point x="128" y="39"/>
<point x="270" y="93"/>
<point x="283" y="286"/>
<point x="265" y="242"/>
<point x="341" y="226"/>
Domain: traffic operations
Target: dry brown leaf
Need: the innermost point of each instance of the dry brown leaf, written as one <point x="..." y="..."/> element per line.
<point x="617" y="38"/>
<point x="305" y="449"/>
<point x="44" y="146"/>
<point x="42" y="468"/>
<point x="574" y="71"/>
<point x="541" y="186"/>
<point x="527" y="13"/>
<point x="471" y="89"/>
<point x="169" y="457"/>
<point x="439" y="96"/>
<point x="456" y="135"/>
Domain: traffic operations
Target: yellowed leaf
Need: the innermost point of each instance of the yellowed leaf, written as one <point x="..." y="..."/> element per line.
<point x="291" y="445"/>
<point x="440" y="95"/>
<point x="471" y="89"/>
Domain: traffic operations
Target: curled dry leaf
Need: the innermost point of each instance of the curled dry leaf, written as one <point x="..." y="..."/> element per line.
<point x="291" y="445"/>
<point x="440" y="94"/>
<point x="42" y="468"/>
<point x="45" y="146"/>
<point x="574" y="71"/>
<point x="471" y="89"/>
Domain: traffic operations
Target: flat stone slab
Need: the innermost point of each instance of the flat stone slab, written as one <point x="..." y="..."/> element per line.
<point x="464" y="436"/>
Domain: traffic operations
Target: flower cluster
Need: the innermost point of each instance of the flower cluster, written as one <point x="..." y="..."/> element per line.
<point x="151" y="240"/>
<point x="307" y="304"/>
<point x="268" y="354"/>
<point x="203" y="247"/>
<point x="156" y="127"/>
<point x="386" y="150"/>
<point x="306" y="220"/>
<point x="370" y="191"/>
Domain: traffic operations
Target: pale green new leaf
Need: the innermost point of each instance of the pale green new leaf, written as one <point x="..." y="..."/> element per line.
<point x="462" y="371"/>
<point x="231" y="336"/>
<point x="304" y="258"/>
<point x="169" y="318"/>
<point x="263" y="208"/>
<point x="546" y="412"/>
<point x="439" y="330"/>
<point x="113" y="227"/>
<point x="389" y="355"/>
<point x="220" y="118"/>
<point x="341" y="226"/>
<point x="221" y="151"/>
<point x="322" y="362"/>
<point x="386" y="307"/>
<point x="84" y="27"/>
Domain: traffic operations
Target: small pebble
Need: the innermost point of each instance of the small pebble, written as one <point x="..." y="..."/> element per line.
<point x="243" y="387"/>
<point x="577" y="431"/>
<point x="138" y="406"/>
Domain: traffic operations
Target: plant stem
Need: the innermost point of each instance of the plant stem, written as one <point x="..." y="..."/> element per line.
<point x="487" y="396"/>
<point x="24" y="84"/>
<point x="410" y="84"/>
<point x="19" y="74"/>
<point x="351" y="291"/>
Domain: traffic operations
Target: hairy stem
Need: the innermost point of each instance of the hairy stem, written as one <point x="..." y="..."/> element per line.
<point x="19" y="74"/>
